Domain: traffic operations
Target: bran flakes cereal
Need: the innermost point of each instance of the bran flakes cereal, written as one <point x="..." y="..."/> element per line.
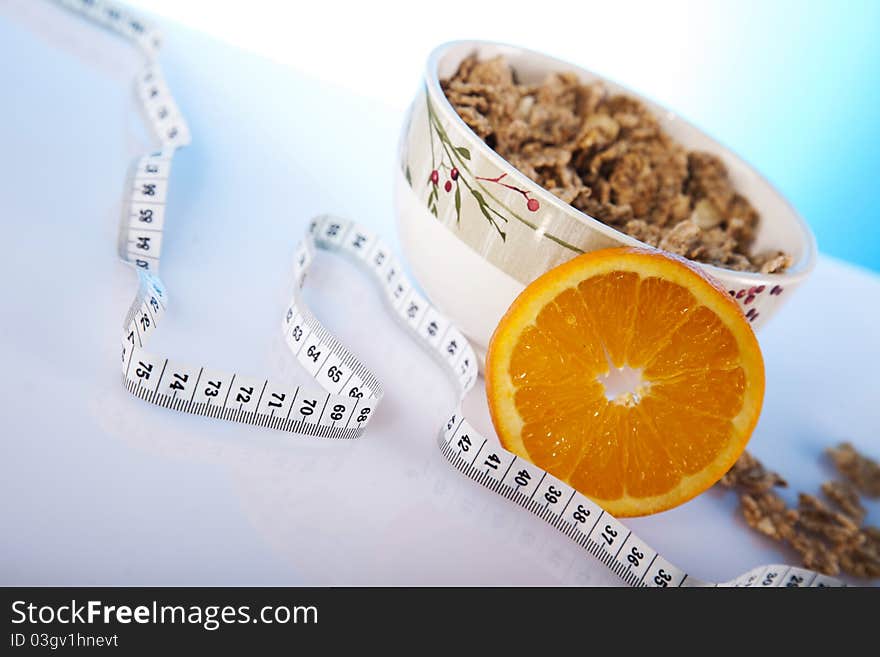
<point x="830" y="538"/>
<point x="606" y="155"/>
<point x="862" y="472"/>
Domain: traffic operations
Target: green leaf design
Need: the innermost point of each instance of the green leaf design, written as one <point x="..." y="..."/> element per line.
<point x="498" y="214"/>
<point x="408" y="176"/>
<point x="465" y="153"/>
<point x="457" y="204"/>
<point x="485" y="210"/>
<point x="482" y="204"/>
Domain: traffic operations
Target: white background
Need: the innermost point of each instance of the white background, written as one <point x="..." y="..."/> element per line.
<point x="377" y="49"/>
<point x="101" y="488"/>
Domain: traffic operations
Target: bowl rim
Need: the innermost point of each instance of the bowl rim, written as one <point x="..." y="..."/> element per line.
<point x="798" y="271"/>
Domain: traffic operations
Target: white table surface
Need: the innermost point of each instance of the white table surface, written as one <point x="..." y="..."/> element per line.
<point x="101" y="488"/>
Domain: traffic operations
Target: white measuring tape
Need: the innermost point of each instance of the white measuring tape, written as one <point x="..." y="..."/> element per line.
<point x="349" y="392"/>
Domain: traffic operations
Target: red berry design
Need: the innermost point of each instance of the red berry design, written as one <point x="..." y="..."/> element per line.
<point x="454" y="173"/>
<point x="776" y="290"/>
<point x="448" y="186"/>
<point x="760" y="289"/>
<point x="435" y="176"/>
<point x="749" y="298"/>
<point x="740" y="294"/>
<point x="732" y="293"/>
<point x="531" y="203"/>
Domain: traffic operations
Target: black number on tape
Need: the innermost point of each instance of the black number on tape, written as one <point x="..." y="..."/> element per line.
<point x="609" y="534"/>
<point x="244" y="394"/>
<point x="581" y="513"/>
<point x="144" y="369"/>
<point x="662" y="578"/>
<point x="635" y="556"/>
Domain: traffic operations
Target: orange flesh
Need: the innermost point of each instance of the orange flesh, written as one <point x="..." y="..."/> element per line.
<point x="691" y="397"/>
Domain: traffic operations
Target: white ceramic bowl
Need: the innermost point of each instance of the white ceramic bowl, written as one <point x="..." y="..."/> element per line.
<point x="453" y="239"/>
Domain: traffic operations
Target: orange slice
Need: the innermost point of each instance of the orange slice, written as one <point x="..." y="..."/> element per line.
<point x="628" y="374"/>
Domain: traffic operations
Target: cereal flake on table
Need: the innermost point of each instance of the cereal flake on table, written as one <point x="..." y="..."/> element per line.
<point x="860" y="471"/>
<point x="830" y="538"/>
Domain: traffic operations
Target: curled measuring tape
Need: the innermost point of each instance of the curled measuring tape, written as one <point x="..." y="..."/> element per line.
<point x="346" y="394"/>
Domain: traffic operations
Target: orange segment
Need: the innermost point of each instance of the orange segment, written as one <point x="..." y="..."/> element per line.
<point x="701" y="342"/>
<point x="628" y="374"/>
<point x="616" y="294"/>
<point x="664" y="308"/>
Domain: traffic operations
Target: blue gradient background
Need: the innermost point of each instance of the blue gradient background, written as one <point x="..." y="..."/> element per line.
<point x="810" y="121"/>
